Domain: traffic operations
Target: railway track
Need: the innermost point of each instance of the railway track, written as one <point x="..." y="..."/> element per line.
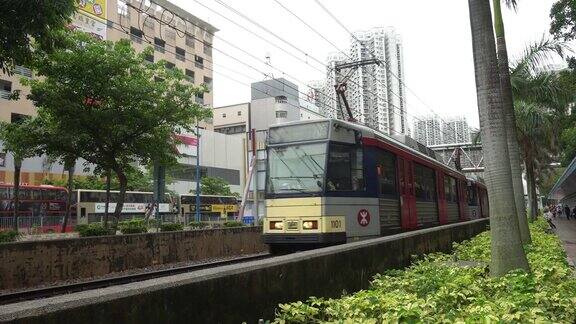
<point x="44" y="292"/>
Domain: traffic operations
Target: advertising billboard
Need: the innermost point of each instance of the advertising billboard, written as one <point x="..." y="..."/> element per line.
<point x="91" y="18"/>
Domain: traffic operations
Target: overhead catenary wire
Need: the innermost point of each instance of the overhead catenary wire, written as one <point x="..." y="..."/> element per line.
<point x="329" y="13"/>
<point x="185" y="33"/>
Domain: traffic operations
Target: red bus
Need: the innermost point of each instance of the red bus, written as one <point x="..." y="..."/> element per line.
<point x="41" y="207"/>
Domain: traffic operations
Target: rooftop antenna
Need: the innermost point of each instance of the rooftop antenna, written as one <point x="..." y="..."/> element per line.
<point x="269" y="64"/>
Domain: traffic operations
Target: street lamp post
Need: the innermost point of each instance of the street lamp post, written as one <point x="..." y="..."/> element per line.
<point x="197" y="172"/>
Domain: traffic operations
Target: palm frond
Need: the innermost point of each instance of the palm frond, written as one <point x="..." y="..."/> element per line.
<point x="511" y="4"/>
<point x="537" y="54"/>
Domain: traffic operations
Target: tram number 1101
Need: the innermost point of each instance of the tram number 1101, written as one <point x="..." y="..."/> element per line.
<point x="336" y="223"/>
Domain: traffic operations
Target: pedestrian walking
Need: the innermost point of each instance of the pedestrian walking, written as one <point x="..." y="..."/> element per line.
<point x="567" y="211"/>
<point x="548" y="217"/>
<point x="574" y="212"/>
<point x="559" y="210"/>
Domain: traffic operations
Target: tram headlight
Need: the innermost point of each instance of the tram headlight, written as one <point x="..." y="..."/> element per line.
<point x="307" y="225"/>
<point x="277" y="225"/>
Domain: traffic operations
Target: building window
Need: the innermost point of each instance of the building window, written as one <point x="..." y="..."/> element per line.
<point x="208" y="82"/>
<point x="281" y="99"/>
<point x="17" y="118"/>
<point x="208" y="49"/>
<point x="224" y="115"/>
<point x="190" y="75"/>
<point x="149" y="58"/>
<point x="239" y="113"/>
<point x="180" y="54"/>
<point x="136" y="35"/>
<point x="190" y="40"/>
<point x="159" y="44"/>
<point x="5" y="89"/>
<point x="170" y="65"/>
<point x="199" y="61"/>
<point x="25" y="72"/>
<point x="281" y="114"/>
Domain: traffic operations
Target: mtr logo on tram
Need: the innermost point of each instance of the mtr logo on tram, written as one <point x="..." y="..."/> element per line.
<point x="332" y="181"/>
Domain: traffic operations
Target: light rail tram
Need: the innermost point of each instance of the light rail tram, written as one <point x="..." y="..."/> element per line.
<point x="332" y="181"/>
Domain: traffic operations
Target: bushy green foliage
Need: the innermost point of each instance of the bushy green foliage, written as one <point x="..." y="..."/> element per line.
<point x="198" y="225"/>
<point x="94" y="229"/>
<point x="171" y="227"/>
<point x="440" y="289"/>
<point x="133" y="226"/>
<point x="8" y="236"/>
<point x="233" y="224"/>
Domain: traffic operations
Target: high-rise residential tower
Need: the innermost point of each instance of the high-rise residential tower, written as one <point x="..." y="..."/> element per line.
<point x="428" y="130"/>
<point x="376" y="93"/>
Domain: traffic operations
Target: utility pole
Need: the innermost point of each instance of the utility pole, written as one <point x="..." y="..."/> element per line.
<point x="197" y="172"/>
<point x="341" y="85"/>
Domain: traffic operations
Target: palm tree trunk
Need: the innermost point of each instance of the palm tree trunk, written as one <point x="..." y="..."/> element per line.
<point x="506" y="244"/>
<point x="107" y="203"/>
<point x="531" y="186"/>
<point x="510" y="120"/>
<point x="17" y="168"/>
<point x="70" y="168"/>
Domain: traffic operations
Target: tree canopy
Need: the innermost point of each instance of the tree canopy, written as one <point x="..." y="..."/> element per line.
<point x="215" y="186"/>
<point x="110" y="106"/>
<point x="563" y="15"/>
<point x="24" y="21"/>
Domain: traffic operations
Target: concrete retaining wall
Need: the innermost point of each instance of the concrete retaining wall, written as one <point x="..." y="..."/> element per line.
<point x="25" y="264"/>
<point x="243" y="292"/>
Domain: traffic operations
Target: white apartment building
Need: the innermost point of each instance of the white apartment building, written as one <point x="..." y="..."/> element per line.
<point x="376" y="93"/>
<point x="428" y="130"/>
<point x="432" y="130"/>
<point x="456" y="130"/>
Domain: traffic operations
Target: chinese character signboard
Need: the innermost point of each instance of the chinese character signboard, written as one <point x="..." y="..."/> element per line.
<point x="91" y="17"/>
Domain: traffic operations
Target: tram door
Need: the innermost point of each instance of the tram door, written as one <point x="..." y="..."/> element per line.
<point x="407" y="198"/>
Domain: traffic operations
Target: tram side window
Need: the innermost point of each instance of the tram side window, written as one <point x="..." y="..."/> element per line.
<point x="345" y="168"/>
<point x="472" y="196"/>
<point x="424" y="183"/>
<point x="387" y="173"/>
<point x="450" y="190"/>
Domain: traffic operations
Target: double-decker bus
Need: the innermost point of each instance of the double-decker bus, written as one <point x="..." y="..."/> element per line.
<point x="213" y="208"/>
<point x="40" y="206"/>
<point x="331" y="181"/>
<point x="90" y="205"/>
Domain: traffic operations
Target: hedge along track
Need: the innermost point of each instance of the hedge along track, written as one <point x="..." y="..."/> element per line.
<point x="44" y="292"/>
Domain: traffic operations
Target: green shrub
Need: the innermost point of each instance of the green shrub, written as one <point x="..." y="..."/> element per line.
<point x="133" y="226"/>
<point x="171" y="227"/>
<point x="233" y="224"/>
<point x="198" y="225"/>
<point x="438" y="289"/>
<point x="94" y="229"/>
<point x="9" y="236"/>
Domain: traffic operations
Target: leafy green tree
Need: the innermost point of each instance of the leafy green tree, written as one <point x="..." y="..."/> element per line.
<point x="214" y="186"/>
<point x="568" y="142"/>
<point x="18" y="139"/>
<point x="510" y="119"/>
<point x="121" y="109"/>
<point x="24" y="21"/>
<point x="506" y="246"/>
<point x="563" y="15"/>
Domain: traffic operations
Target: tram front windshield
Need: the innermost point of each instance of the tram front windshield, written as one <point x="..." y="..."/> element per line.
<point x="296" y="168"/>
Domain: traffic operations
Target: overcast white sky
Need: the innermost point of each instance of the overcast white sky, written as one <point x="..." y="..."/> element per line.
<point x="436" y="38"/>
